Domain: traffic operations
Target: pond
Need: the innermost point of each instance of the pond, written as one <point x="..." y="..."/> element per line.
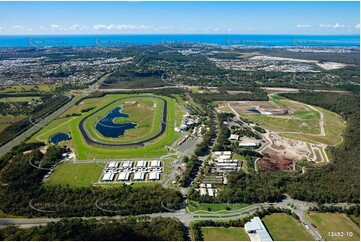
<point x="56" y="138"/>
<point x="109" y="129"/>
<point x="254" y="110"/>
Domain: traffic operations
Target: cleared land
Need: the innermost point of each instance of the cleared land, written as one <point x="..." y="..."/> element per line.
<point x="302" y="123"/>
<point x="283" y="227"/>
<point x="28" y="88"/>
<point x="7" y="120"/>
<point x="20" y="99"/>
<point x="75" y="174"/>
<point x="224" y="234"/>
<point x="328" y="224"/>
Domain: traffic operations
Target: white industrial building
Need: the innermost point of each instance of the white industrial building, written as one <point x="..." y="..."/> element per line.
<point x="141" y="164"/>
<point x="210" y="192"/>
<point x="224" y="157"/>
<point x="155" y="163"/>
<point x="234" y="137"/>
<point x="108" y="177"/>
<point x="127" y="164"/>
<point x="218" y="153"/>
<point x="203" y="191"/>
<point x="113" y="164"/>
<point x="247" y="144"/>
<point x="226" y="166"/>
<point x="256" y="230"/>
<point x="139" y="176"/>
<point x="227" y="161"/>
<point x="154" y="176"/>
<point x="123" y="176"/>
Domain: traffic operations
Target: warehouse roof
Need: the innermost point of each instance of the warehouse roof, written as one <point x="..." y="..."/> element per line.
<point x="123" y="176"/>
<point x="113" y="164"/>
<point x="139" y="176"/>
<point x="127" y="164"/>
<point x="141" y="163"/>
<point x="154" y="176"/>
<point x="108" y="176"/>
<point x="155" y="163"/>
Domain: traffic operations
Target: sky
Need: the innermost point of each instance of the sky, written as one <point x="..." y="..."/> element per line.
<point x="323" y="18"/>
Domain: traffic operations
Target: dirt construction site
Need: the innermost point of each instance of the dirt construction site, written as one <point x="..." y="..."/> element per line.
<point x="279" y="117"/>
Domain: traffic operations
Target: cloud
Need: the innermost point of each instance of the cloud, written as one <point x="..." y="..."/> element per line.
<point x="119" y="27"/>
<point x="304" y="26"/>
<point x="1" y="28"/>
<point x="357" y="26"/>
<point x="77" y="27"/>
<point x="18" y="27"/>
<point x="164" y="28"/>
<point x="55" y="27"/>
<point x="335" y="26"/>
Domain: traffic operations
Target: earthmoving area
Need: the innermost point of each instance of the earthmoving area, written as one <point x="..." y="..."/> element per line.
<point x="294" y="131"/>
<point x="274" y="161"/>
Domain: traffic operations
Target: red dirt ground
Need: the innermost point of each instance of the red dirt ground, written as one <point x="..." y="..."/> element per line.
<point x="274" y="162"/>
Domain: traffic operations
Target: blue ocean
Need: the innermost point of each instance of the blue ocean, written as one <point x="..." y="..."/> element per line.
<point x="350" y="41"/>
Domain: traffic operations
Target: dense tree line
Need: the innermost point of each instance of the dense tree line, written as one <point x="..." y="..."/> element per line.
<point x="125" y="229"/>
<point x="39" y="112"/>
<point x="22" y="185"/>
<point x="191" y="170"/>
<point x="256" y="95"/>
<point x="339" y="181"/>
<point x="249" y="188"/>
<point x="353" y="210"/>
<point x="18" y="149"/>
<point x="222" y="141"/>
<point x="134" y="79"/>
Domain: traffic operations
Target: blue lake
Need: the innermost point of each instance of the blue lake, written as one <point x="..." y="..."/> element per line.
<point x="254" y="110"/>
<point x="109" y="129"/>
<point x="55" y="139"/>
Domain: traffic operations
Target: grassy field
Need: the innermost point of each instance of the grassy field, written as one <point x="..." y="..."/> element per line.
<point x="85" y="151"/>
<point x="20" y="99"/>
<point x="75" y="174"/>
<point x="302" y="123"/>
<point x="7" y="120"/>
<point x="283" y="227"/>
<point x="28" y="88"/>
<point x="146" y="114"/>
<point x="334" y="222"/>
<point x="303" y="118"/>
<point x="195" y="207"/>
<point x="333" y="125"/>
<point x="224" y="234"/>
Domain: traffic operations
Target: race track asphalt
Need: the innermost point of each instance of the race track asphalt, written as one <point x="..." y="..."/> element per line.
<point x="90" y="141"/>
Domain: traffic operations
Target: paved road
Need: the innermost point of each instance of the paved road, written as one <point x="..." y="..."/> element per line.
<point x="87" y="137"/>
<point x="187" y="218"/>
<point x="46" y="120"/>
<point x="36" y="127"/>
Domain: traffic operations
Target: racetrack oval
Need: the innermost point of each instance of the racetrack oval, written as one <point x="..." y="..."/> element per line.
<point x="90" y="141"/>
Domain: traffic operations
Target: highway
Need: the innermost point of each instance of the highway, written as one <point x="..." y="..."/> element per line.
<point x="36" y="127"/>
<point x="186" y="217"/>
<point x="46" y="120"/>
